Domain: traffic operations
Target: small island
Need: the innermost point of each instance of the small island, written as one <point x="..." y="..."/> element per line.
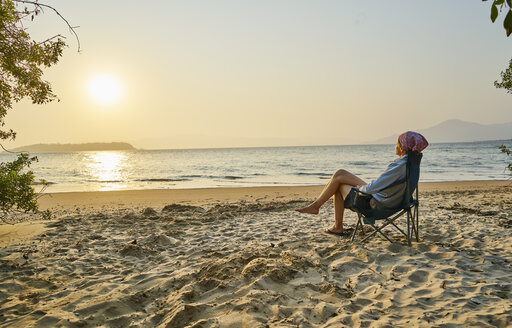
<point x="90" y="146"/>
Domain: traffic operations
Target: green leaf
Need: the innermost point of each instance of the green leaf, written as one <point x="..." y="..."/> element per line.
<point x="507" y="23"/>
<point x="499" y="2"/>
<point x="509" y="3"/>
<point x="494" y="13"/>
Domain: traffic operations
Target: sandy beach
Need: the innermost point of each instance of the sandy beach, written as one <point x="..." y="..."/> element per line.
<point x="242" y="257"/>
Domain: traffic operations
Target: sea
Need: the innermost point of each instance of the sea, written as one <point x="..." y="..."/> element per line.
<point x="252" y="167"/>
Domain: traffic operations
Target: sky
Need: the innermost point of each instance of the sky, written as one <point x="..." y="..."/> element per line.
<point x="202" y="74"/>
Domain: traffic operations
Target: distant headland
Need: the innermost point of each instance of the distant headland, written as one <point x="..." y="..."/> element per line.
<point x="90" y="146"/>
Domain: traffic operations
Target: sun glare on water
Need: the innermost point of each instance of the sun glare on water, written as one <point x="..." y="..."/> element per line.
<point x="107" y="168"/>
<point x="105" y="89"/>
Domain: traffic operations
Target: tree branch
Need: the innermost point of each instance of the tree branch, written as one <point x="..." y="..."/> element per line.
<point x="42" y="5"/>
<point x="8" y="151"/>
<point x="53" y="37"/>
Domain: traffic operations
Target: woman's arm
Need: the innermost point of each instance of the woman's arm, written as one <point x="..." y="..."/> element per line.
<point x="394" y="172"/>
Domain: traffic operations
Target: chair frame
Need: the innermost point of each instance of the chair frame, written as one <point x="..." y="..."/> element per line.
<point x="413" y="226"/>
<point x="410" y="206"/>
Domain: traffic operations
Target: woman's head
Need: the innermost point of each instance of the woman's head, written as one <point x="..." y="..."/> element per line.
<point x="410" y="141"/>
<point x="399" y="150"/>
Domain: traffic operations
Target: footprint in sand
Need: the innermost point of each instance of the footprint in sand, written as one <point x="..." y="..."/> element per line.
<point x="419" y="276"/>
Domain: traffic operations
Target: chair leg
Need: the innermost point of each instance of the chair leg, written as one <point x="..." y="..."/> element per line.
<point x="414" y="232"/>
<point x="388" y="222"/>
<point x="377" y="229"/>
<point x="392" y="221"/>
<point x="398" y="228"/>
<point x="417" y="214"/>
<point x="409" y="230"/>
<point x="412" y="226"/>
<point x="359" y="223"/>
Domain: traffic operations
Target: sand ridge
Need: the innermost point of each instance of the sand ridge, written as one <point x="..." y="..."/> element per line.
<point x="260" y="264"/>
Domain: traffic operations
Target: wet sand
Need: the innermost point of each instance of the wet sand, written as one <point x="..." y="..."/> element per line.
<point x="241" y="257"/>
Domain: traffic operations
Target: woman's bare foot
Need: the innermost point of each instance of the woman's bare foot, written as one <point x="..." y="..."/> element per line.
<point x="334" y="231"/>
<point x="308" y="209"/>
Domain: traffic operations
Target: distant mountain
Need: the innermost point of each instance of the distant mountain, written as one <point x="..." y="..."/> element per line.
<point x="460" y="131"/>
<point x="92" y="146"/>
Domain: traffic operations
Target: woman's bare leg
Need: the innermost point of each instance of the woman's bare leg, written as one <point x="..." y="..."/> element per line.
<point x="339" y="208"/>
<point x="341" y="177"/>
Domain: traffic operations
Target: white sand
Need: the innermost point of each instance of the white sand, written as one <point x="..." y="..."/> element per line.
<point x="257" y="263"/>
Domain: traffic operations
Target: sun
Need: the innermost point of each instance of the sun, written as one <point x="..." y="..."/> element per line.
<point x="105" y="89"/>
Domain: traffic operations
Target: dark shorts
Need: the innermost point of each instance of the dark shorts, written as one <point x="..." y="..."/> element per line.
<point x="362" y="201"/>
<point x="357" y="200"/>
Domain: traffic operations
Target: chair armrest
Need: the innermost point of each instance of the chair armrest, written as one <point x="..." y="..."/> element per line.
<point x="360" y="191"/>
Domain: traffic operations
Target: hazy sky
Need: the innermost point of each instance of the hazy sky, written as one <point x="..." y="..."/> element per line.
<point x="264" y="73"/>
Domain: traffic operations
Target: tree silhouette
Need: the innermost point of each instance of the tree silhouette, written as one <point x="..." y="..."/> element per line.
<point x="22" y="61"/>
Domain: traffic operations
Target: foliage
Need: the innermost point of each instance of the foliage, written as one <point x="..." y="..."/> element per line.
<point x="496" y="7"/>
<point x="21" y="69"/>
<point x="506" y="79"/>
<point x="17" y="193"/>
<point x="506" y="76"/>
<point x="507" y="151"/>
<point x="22" y="60"/>
<point x="500" y="5"/>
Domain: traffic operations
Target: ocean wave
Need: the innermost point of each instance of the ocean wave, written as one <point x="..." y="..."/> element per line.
<point x="231" y="177"/>
<point x="37" y="183"/>
<point x="224" y="177"/>
<point x="313" y="174"/>
<point x="358" y="163"/>
<point x="163" y="180"/>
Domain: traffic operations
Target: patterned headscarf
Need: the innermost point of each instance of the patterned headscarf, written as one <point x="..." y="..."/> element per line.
<point x="412" y="141"/>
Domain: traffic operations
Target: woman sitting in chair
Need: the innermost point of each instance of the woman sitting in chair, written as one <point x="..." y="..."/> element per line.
<point x="342" y="182"/>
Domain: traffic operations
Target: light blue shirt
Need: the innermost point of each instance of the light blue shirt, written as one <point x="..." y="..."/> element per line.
<point x="391" y="197"/>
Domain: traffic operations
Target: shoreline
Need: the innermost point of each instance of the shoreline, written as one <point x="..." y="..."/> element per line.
<point x="265" y="186"/>
<point x="196" y="196"/>
<point x="26" y="226"/>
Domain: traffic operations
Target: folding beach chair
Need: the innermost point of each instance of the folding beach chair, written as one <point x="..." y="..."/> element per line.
<point x="408" y="206"/>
